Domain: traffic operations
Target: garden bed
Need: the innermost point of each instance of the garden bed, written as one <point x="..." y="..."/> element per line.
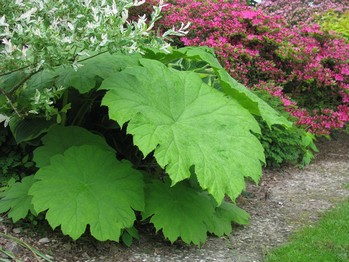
<point x="286" y="200"/>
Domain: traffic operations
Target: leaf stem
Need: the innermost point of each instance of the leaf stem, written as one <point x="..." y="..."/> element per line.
<point x="13" y="71"/>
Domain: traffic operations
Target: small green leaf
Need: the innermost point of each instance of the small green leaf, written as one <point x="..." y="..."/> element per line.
<point x="17" y="200"/>
<point x="221" y="222"/>
<point x="59" y="138"/>
<point x="128" y="235"/>
<point x="179" y="211"/>
<point x="126" y="238"/>
<point x="186" y="123"/>
<point x="87" y="185"/>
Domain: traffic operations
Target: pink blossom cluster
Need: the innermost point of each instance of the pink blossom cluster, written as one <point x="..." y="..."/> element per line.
<point x="308" y="67"/>
<point x="302" y="11"/>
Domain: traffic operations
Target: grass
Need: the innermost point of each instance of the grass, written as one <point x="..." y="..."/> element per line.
<point x="326" y="241"/>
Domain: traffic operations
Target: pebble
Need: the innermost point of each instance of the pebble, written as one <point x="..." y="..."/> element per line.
<point x="44" y="240"/>
<point x="17" y="230"/>
<point x="13" y="247"/>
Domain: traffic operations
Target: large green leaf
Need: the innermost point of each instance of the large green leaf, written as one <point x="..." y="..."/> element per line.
<point x="59" y="138"/>
<point x="250" y="100"/>
<point x="229" y="86"/>
<point x="187" y="213"/>
<point x="41" y="80"/>
<point x="16" y="199"/>
<point x="186" y="123"/>
<point x="87" y="185"/>
<point x="178" y="211"/>
<point x="84" y="78"/>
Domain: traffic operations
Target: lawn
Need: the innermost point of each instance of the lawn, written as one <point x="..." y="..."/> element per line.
<point x="328" y="240"/>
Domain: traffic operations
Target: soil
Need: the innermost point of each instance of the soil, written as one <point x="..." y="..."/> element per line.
<point x="286" y="200"/>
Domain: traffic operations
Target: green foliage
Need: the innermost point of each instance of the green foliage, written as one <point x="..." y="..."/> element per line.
<point x="88" y="186"/>
<point x="85" y="78"/>
<point x="338" y="22"/>
<point x="220" y="223"/>
<point x="60" y="138"/>
<point x="203" y="61"/>
<point x="166" y="116"/>
<point x="29" y="128"/>
<point x="15" y="160"/>
<point x="287" y="146"/>
<point x="190" y="122"/>
<point x="15" y="198"/>
<point x="282" y="145"/>
<point x="171" y="210"/>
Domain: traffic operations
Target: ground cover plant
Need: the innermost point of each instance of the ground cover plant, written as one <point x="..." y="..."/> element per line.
<point x="117" y="120"/>
<point x="327" y="240"/>
<point x="305" y="67"/>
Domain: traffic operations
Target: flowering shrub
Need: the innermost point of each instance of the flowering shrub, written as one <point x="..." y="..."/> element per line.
<point x="307" y="68"/>
<point x="300" y="11"/>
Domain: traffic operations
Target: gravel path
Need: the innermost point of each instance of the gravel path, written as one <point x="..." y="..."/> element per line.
<point x="286" y="200"/>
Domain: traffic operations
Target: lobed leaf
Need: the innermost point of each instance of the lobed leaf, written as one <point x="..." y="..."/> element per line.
<point x="220" y="223"/>
<point x="178" y="211"/>
<point x="187" y="213"/>
<point x="85" y="78"/>
<point x="230" y="86"/>
<point x="17" y="200"/>
<point x="88" y="186"/>
<point x="59" y="138"/>
<point x="186" y="123"/>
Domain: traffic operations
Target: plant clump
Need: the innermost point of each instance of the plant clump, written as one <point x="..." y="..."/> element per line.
<point x="116" y="118"/>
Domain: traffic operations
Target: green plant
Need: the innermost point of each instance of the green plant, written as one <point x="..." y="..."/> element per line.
<point x="284" y="145"/>
<point x="15" y="161"/>
<point x="204" y="153"/>
<point x="123" y="136"/>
